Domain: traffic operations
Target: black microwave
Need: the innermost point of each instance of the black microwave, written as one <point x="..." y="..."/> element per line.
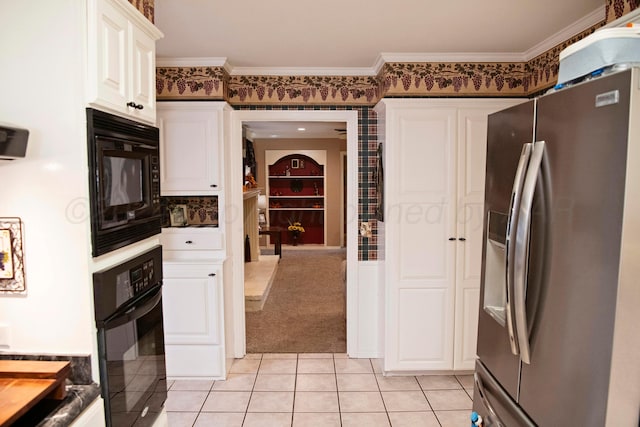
<point x="124" y="181"/>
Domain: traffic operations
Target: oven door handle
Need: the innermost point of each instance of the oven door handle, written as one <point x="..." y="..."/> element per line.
<point x="134" y="310"/>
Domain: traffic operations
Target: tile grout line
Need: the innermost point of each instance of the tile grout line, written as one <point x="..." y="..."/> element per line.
<point x="335" y="377"/>
<point x="295" y="387"/>
<point x="255" y="380"/>
<point x="384" y="404"/>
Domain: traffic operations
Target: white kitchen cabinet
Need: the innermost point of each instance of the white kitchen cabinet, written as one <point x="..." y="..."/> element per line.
<point x="194" y="319"/>
<point x="191" y="147"/>
<point x="121" y="60"/>
<point x="434" y="157"/>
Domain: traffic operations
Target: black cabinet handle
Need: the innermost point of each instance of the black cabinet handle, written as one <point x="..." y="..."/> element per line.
<point x="212" y="274"/>
<point x="188" y="242"/>
<point x="462" y="239"/>
<point x="452" y="238"/>
<point x="213" y="185"/>
<point x="134" y="105"/>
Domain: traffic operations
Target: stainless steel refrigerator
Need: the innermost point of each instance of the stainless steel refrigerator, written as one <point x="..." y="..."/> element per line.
<point x="559" y="318"/>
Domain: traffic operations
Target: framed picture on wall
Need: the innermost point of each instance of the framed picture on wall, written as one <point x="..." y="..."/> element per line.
<point x="178" y="216"/>
<point x="11" y="256"/>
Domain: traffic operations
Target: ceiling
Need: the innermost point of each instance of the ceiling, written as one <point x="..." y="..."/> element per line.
<point x="290" y="130"/>
<point x="353" y="33"/>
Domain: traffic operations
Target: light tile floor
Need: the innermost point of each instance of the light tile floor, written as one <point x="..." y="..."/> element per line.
<point x="321" y="389"/>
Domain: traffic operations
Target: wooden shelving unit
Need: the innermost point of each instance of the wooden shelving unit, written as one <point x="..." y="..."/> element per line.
<point x="296" y="188"/>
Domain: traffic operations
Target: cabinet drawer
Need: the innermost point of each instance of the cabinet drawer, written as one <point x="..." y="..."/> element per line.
<point x="194" y="240"/>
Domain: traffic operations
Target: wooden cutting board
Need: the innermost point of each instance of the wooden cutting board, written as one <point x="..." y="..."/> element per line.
<point x="23" y="383"/>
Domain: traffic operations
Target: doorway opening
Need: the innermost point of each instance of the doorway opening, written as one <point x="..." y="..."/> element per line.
<point x="343" y="125"/>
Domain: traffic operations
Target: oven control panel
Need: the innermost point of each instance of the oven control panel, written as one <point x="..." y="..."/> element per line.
<point x="141" y="276"/>
<point x="115" y="286"/>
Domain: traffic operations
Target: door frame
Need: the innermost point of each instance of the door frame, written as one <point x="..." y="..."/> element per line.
<point x="343" y="171"/>
<point x="234" y="211"/>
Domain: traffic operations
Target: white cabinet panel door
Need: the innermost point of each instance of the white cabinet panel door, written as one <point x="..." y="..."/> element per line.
<point x="467" y="301"/>
<point x="192" y="307"/>
<point x="121" y="60"/>
<point x="419" y="219"/>
<point x="472" y="147"/>
<point x="434" y="194"/>
<point x="143" y="78"/>
<point x="195" y="361"/>
<point x="423" y="323"/>
<point x="111" y="59"/>
<point x="190" y="148"/>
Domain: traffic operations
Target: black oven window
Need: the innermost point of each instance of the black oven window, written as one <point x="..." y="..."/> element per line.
<point x="136" y="372"/>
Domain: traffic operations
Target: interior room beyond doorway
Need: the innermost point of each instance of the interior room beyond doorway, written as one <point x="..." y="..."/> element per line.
<point x="339" y="131"/>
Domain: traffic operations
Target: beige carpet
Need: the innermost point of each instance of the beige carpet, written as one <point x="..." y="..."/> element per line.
<point x="305" y="311"/>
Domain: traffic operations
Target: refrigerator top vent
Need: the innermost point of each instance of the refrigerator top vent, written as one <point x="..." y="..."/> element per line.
<point x="602" y="49"/>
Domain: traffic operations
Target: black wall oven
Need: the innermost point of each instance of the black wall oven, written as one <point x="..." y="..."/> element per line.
<point x="128" y="310"/>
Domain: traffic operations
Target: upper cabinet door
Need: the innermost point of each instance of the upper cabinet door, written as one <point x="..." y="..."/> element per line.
<point x="121" y="60"/>
<point x="108" y="55"/>
<point x="143" y="74"/>
<point x="191" y="147"/>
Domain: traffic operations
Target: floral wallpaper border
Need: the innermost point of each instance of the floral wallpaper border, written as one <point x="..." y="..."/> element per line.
<point x="191" y="82"/>
<point x="618" y="8"/>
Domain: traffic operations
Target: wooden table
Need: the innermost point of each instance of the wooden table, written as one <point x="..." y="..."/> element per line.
<point x="276" y="234"/>
<point x="24" y="383"/>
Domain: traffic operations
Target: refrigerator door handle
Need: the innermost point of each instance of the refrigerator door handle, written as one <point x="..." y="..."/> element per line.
<point x="521" y="255"/>
<point x="514" y="209"/>
<point x="485" y="401"/>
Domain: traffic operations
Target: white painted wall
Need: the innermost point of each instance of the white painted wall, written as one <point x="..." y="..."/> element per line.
<point x="369" y="344"/>
<point x="42" y="74"/>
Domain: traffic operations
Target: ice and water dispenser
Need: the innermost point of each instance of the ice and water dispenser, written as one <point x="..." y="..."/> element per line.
<point x="495" y="296"/>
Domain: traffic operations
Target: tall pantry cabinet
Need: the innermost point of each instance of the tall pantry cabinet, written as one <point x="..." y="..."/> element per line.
<point x="434" y="167"/>
<point x="197" y="276"/>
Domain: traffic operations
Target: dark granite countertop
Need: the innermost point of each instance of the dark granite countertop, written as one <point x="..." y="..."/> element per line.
<point x="81" y="392"/>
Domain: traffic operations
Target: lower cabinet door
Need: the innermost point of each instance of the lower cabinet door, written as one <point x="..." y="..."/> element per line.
<point x="193" y="319"/>
<point x="194" y="361"/>
<point x="192" y="305"/>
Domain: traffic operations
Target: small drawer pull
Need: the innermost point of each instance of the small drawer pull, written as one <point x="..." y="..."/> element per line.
<point x="188" y="242"/>
<point x="212" y="274"/>
<point x="213" y="185"/>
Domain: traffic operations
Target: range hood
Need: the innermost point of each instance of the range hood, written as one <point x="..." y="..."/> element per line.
<point x="13" y="142"/>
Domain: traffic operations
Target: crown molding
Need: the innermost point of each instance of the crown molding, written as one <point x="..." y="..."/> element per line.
<point x="588" y="21"/>
<point x="593" y="18"/>
<point x="193" y="62"/>
<point x="452" y="57"/>
<point x="302" y="71"/>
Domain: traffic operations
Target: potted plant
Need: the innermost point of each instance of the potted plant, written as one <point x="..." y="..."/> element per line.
<point x="295" y="228"/>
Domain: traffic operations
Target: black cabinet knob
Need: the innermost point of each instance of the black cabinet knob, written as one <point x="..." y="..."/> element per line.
<point x="452" y="238"/>
<point x="213" y="185"/>
<point x="462" y="239"/>
<point x="188" y="242"/>
<point x="212" y="274"/>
